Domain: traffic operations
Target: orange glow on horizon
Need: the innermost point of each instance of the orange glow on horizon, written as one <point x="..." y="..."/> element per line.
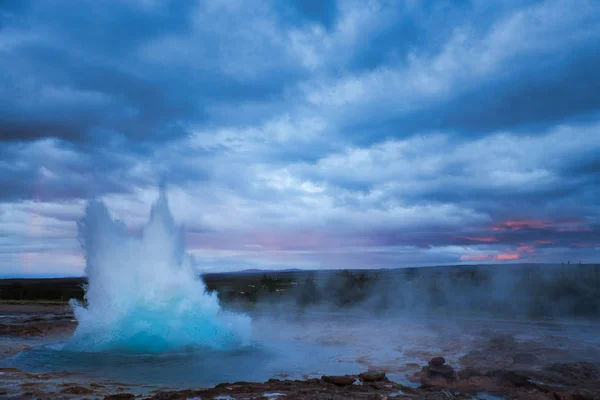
<point x="520" y="224"/>
<point x="507" y="256"/>
<point x="556" y="225"/>
<point x="526" y="248"/>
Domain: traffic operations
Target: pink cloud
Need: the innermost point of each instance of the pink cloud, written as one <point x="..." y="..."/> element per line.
<point x="526" y="249"/>
<point x="574" y="229"/>
<point x="519" y="224"/>
<point x="507" y="256"/>
<point x="486" y="239"/>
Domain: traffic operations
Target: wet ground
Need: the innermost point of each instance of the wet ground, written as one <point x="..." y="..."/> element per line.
<point x="307" y="356"/>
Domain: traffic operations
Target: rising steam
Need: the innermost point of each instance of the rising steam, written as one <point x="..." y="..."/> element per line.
<point x="143" y="294"/>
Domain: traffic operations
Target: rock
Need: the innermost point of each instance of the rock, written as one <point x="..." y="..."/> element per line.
<point x="437" y="361"/>
<point x="428" y="379"/>
<point x="20" y="330"/>
<point x="372" y="376"/>
<point x="444" y="370"/>
<point x="339" y="380"/>
<point x="176" y="395"/>
<point x="576" y="372"/>
<point x="79" y="390"/>
<point x="514" y="378"/>
<point x="576" y="394"/>
<point x="120" y="396"/>
<point x="468" y="373"/>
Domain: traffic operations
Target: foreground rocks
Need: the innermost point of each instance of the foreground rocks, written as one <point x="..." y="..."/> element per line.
<point x="329" y="387"/>
<point x="372" y="376"/>
<point x="581" y="384"/>
<point x="566" y="381"/>
<point x="578" y="381"/>
<point x="437" y="368"/>
<point x="18" y="384"/>
<point x="339" y="380"/>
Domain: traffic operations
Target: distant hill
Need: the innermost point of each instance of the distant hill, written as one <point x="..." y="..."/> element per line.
<point x="259" y="271"/>
<point x="537" y="289"/>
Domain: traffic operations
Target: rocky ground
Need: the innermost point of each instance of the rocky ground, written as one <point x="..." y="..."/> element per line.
<point x="496" y="365"/>
<point x="26" y="325"/>
<point x="577" y="381"/>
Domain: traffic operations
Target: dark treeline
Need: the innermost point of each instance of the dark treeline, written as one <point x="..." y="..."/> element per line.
<point x="533" y="291"/>
<point x="59" y="289"/>
<point x="496" y="290"/>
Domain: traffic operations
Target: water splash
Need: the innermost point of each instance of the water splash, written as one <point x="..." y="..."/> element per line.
<point x="143" y="294"/>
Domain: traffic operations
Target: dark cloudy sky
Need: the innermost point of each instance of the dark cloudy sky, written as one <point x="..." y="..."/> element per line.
<point x="304" y="134"/>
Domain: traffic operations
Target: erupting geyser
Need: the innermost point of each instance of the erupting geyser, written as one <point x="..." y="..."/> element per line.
<point x="143" y="294"/>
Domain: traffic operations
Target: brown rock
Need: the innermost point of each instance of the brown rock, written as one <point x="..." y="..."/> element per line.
<point x="241" y="383"/>
<point x="79" y="390"/>
<point x="444" y="370"/>
<point x="176" y="395"/>
<point x="468" y="373"/>
<point x="514" y="378"/>
<point x="344" y="380"/>
<point x="427" y="379"/>
<point x="372" y="376"/>
<point x="575" y="394"/>
<point x="120" y="396"/>
<point x="576" y="372"/>
<point x="437" y="361"/>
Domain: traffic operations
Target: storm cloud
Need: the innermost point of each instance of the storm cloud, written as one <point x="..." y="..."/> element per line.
<point x="310" y="134"/>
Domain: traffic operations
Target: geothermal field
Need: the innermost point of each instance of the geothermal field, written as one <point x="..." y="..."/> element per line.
<point x="144" y="324"/>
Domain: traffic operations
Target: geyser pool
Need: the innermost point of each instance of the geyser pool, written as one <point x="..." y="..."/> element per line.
<point x="316" y="343"/>
<point x="143" y="295"/>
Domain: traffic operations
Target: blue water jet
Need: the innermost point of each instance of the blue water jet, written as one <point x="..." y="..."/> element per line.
<point x="143" y="294"/>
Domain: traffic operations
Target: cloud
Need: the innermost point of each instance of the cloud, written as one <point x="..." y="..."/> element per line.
<point x="187" y="63"/>
<point x="313" y="134"/>
<point x="480" y="79"/>
<point x="49" y="169"/>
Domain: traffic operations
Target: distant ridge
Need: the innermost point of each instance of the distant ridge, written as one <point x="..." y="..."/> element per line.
<point x="432" y="268"/>
<point x="515" y="265"/>
<point x="259" y="271"/>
